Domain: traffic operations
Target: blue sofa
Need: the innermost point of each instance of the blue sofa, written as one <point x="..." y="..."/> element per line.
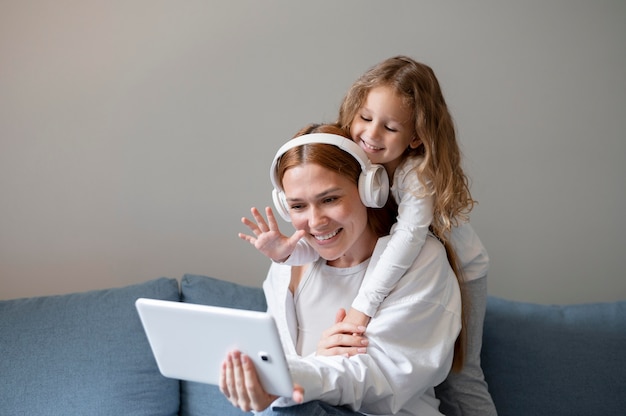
<point x="86" y="354"/>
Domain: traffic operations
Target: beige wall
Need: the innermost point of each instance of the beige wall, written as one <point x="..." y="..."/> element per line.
<point x="135" y="134"/>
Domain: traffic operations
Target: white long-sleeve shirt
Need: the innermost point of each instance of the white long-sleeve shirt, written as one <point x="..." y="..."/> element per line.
<point x="415" y="214"/>
<point x="411" y="339"/>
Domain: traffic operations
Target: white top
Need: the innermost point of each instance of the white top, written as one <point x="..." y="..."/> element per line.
<point x="415" y="214"/>
<point x="313" y="294"/>
<point x="411" y="338"/>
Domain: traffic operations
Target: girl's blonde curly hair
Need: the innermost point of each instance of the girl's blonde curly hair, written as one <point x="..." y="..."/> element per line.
<point x="441" y="168"/>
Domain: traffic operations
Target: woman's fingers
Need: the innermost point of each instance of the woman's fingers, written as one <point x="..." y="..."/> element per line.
<point x="259" y="398"/>
<point x="240" y="384"/>
<point x="262" y="225"/>
<point x="271" y="220"/>
<point x="343" y="339"/>
<point x="227" y="381"/>
<point x="243" y="399"/>
<point x="343" y="327"/>
<point x="258" y="226"/>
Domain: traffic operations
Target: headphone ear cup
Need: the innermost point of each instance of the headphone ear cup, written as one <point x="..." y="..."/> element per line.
<point x="281" y="204"/>
<point x="374" y="186"/>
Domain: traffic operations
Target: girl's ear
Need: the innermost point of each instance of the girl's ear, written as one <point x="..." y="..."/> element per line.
<point x="415" y="142"/>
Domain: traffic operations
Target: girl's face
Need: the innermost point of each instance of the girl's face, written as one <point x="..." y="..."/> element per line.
<point x="327" y="206"/>
<point x="384" y="127"/>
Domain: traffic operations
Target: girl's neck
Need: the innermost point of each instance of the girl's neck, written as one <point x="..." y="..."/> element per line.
<point x="391" y="167"/>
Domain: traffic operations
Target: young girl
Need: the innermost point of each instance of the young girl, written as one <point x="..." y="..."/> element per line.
<point x="397" y="114"/>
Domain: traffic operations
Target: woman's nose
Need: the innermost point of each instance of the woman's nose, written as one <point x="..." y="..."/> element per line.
<point x="317" y="217"/>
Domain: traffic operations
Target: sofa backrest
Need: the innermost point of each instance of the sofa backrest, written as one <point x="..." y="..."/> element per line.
<point x="83" y="354"/>
<point x="555" y="360"/>
<point x="86" y="353"/>
<point x="198" y="399"/>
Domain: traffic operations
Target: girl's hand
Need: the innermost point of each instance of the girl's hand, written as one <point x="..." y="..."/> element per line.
<point x="240" y="384"/>
<point x="343" y="338"/>
<point x="268" y="238"/>
<point x="356" y="317"/>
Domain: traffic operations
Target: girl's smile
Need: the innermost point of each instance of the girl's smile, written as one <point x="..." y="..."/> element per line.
<point x="384" y="128"/>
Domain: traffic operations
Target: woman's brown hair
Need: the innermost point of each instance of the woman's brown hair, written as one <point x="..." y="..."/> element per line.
<point x="333" y="158"/>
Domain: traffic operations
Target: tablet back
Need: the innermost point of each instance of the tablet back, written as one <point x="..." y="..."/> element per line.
<point x="190" y="342"/>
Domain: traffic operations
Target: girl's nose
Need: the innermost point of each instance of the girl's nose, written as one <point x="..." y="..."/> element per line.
<point x="371" y="131"/>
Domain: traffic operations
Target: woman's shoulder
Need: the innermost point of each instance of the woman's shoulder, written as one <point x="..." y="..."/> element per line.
<point x="429" y="278"/>
<point x="431" y="255"/>
<point x="278" y="274"/>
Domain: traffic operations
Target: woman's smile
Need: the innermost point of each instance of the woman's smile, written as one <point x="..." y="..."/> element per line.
<point x="326" y="237"/>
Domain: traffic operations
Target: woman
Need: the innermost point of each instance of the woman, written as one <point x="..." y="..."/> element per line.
<point x="337" y="369"/>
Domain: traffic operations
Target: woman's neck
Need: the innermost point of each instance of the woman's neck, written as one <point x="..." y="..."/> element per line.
<point x="359" y="252"/>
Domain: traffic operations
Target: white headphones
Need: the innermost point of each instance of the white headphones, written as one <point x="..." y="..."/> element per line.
<point x="373" y="181"/>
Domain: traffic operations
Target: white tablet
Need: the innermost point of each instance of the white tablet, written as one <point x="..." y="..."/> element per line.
<point x="190" y="342"/>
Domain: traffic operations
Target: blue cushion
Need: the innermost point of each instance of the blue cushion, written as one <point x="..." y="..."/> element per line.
<point x="204" y="399"/>
<point x="83" y="354"/>
<point x="555" y="360"/>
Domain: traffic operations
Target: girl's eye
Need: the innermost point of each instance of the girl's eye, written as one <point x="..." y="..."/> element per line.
<point x="391" y="129"/>
<point x="364" y="118"/>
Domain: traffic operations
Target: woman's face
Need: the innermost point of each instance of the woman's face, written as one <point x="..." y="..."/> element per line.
<point x="327" y="206"/>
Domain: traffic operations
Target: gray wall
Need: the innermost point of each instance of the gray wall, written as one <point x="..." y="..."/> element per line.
<point x="135" y="134"/>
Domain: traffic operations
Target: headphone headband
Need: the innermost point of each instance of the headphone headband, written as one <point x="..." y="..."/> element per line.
<point x="373" y="182"/>
<point x="341" y="142"/>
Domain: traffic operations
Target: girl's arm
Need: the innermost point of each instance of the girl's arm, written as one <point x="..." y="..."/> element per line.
<point x="302" y="254"/>
<point x="415" y="214"/>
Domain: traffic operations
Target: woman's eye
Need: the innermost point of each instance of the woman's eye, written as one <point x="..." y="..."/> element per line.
<point x="330" y="200"/>
<point x="296" y="207"/>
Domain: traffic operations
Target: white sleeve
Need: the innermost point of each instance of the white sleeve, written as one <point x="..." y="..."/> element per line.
<point x="415" y="214"/>
<point x="280" y="304"/>
<point x="411" y="346"/>
<point x="470" y="251"/>
<point x="302" y="254"/>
